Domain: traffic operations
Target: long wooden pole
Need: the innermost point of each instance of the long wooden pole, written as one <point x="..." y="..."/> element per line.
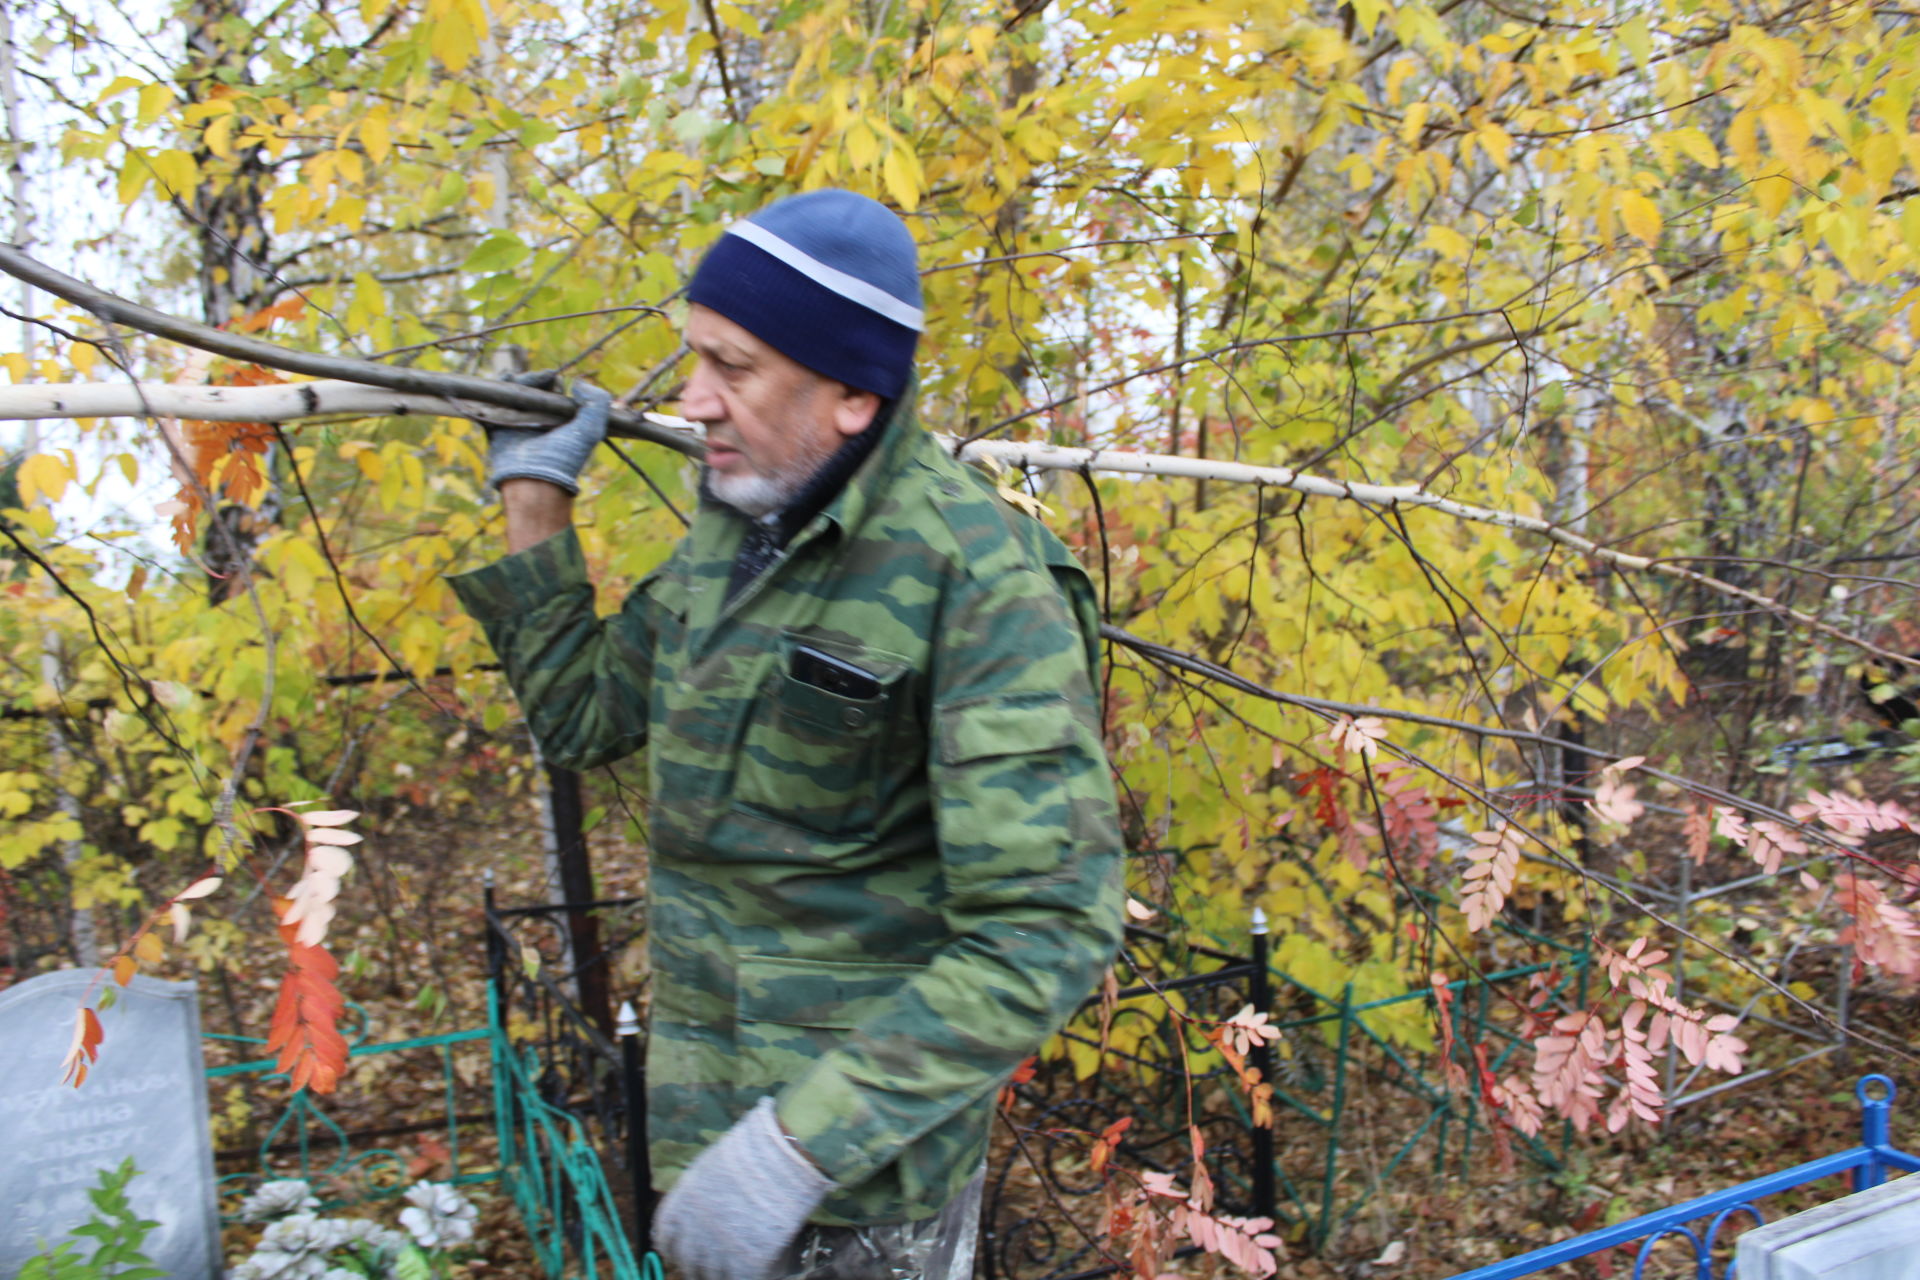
<point x="458" y="394"/>
<point x="461" y="395"/>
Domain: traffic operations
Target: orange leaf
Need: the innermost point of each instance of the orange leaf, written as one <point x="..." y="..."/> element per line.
<point x="84" y="1048"/>
<point x="304" y="1032"/>
<point x="287" y="309"/>
<point x="124" y="967"/>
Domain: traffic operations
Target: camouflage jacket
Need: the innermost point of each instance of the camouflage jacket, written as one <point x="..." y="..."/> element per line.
<point x="871" y="903"/>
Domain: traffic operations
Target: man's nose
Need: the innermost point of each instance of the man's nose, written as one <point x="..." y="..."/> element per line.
<point x="700" y="398"/>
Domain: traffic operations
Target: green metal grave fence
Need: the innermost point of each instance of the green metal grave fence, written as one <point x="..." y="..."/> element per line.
<point x="553" y="1172"/>
<point x="1313" y="1169"/>
<point x="539" y="1101"/>
<point x="535" y="1150"/>
<point x="309" y="1138"/>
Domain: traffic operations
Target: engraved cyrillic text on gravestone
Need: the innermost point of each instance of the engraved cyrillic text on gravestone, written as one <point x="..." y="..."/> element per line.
<point x="145" y="1097"/>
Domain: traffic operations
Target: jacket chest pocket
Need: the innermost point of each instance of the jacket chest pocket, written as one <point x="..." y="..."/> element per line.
<point x="814" y="748"/>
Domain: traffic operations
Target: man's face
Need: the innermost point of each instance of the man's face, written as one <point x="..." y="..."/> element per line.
<point x="771" y="421"/>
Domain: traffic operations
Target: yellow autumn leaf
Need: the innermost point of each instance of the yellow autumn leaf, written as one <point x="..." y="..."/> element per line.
<point x="862" y="145"/>
<point x="451" y="39"/>
<point x="218" y="137"/>
<point x="1447" y="242"/>
<point x="1497" y="143"/>
<point x="176" y="172"/>
<point x="902" y="181"/>
<point x="135" y="173"/>
<point x="117" y="86"/>
<point x="375" y="137"/>
<point x="1640" y="216"/>
<point x="155" y="98"/>
<point x="44" y="475"/>
<point x="1787" y="128"/>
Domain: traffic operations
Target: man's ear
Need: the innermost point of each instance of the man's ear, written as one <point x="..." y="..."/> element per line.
<point x="854" y="410"/>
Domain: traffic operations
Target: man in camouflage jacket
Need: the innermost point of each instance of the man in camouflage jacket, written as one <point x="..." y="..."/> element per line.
<point x="884" y="845"/>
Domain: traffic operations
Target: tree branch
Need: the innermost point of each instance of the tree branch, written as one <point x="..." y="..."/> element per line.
<point x="458" y="395"/>
<point x="289" y="401"/>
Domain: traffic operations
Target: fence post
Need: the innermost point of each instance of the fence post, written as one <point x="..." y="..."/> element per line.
<point x="1260" y="988"/>
<point x="633" y="1084"/>
<point x="496" y="953"/>
<point x="573" y="880"/>
<point x="1876" y="1129"/>
<point x="1334" y="1118"/>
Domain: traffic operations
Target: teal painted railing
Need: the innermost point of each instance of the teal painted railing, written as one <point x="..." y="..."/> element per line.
<point x="307" y="1139"/>
<point x="541" y="1158"/>
<point x="553" y="1173"/>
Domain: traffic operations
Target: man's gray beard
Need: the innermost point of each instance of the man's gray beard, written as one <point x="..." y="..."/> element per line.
<point x="754" y="494"/>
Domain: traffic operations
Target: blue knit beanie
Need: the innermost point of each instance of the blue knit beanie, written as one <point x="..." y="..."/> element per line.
<point x="828" y="278"/>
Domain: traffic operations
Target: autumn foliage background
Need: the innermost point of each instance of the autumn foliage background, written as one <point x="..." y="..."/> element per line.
<point x="1643" y="272"/>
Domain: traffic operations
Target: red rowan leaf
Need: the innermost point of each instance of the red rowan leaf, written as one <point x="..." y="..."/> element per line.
<point x="84" y="1049"/>
<point x="1852" y="815"/>
<point x="1699" y="832"/>
<point x="1493" y="862"/>
<point x="1883" y="933"/>
<point x="304" y="1032"/>
<point x="434" y="1155"/>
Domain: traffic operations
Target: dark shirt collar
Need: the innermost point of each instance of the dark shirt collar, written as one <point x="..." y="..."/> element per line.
<point x="767" y="536"/>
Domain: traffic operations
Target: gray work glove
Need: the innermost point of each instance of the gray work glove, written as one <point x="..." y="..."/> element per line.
<point x="554" y="454"/>
<point x="740" y="1203"/>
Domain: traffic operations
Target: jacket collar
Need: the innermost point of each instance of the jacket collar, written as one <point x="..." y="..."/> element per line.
<point x="875" y="476"/>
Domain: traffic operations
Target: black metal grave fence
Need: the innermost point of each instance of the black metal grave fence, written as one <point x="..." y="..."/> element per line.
<point x="1306" y="1171"/>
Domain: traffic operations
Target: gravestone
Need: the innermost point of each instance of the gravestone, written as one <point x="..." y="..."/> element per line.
<point x="1869" y="1235"/>
<point x="145" y="1097"/>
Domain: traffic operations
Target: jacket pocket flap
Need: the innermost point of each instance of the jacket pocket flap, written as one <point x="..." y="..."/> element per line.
<point x="1023" y="724"/>
<point x="837" y="994"/>
<point x="668" y="592"/>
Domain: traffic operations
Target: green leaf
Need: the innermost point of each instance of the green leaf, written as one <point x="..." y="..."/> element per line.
<point x="412" y="1264"/>
<point x="499" y="252"/>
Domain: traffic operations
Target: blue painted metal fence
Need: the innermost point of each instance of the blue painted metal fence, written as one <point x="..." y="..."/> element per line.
<point x="1868" y="1164"/>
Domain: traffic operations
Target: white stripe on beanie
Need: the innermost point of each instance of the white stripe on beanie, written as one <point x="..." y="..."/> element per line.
<point x="851" y="287"/>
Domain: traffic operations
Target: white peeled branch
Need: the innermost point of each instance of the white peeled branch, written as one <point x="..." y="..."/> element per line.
<point x="286" y="402"/>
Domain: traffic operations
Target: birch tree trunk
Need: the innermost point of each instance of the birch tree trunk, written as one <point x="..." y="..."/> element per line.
<point x="230" y="229"/>
<point x="83" y="935"/>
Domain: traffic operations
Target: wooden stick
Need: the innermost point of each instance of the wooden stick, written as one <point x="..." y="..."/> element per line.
<point x="534" y="406"/>
<point x="459" y="395"/>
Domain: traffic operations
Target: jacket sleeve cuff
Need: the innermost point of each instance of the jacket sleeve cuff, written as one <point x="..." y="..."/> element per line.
<point x="851" y="1143"/>
<point x="523" y="581"/>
